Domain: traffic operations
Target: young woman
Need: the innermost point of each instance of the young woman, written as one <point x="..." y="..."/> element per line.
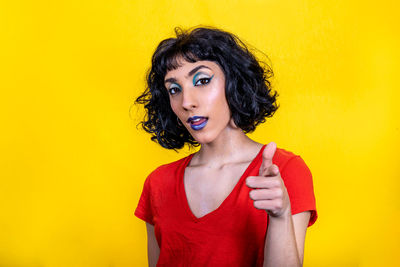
<point x="235" y="202"/>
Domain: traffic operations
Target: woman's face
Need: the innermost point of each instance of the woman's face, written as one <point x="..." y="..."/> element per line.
<point x="197" y="96"/>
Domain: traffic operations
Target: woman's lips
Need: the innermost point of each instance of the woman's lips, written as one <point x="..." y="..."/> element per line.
<point x="195" y="118"/>
<point x="197" y="122"/>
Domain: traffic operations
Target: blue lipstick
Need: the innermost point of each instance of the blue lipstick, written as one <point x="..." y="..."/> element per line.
<point x="196" y="125"/>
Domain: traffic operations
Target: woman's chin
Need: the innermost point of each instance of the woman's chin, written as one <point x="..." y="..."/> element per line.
<point x="207" y="137"/>
<point x="202" y="138"/>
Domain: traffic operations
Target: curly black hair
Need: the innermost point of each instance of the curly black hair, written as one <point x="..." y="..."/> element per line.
<point x="247" y="84"/>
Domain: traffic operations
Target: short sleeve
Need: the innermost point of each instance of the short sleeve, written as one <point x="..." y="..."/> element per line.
<point x="144" y="208"/>
<point x="299" y="184"/>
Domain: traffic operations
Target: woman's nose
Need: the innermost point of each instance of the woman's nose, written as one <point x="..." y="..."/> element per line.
<point x="189" y="99"/>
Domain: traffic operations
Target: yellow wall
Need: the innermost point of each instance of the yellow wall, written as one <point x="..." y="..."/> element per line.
<point x="73" y="164"/>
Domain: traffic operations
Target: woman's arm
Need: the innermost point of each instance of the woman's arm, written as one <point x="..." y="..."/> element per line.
<point x="284" y="244"/>
<point x="153" y="250"/>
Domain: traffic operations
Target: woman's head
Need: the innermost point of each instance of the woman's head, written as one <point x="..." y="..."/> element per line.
<point x="247" y="86"/>
<point x="197" y="97"/>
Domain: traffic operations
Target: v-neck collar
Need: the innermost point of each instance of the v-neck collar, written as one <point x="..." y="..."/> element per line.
<point x="182" y="192"/>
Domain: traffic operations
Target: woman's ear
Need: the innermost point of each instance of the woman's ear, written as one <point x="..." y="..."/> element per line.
<point x="232" y="123"/>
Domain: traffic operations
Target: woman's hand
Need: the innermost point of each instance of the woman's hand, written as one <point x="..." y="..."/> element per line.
<point x="270" y="193"/>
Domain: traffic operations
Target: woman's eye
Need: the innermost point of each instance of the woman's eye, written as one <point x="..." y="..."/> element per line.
<point x="203" y="81"/>
<point x="173" y="90"/>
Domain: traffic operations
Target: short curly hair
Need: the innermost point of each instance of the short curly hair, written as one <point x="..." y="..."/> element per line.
<point x="247" y="84"/>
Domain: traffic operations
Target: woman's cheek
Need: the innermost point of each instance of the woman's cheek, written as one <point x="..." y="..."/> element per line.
<point x="174" y="107"/>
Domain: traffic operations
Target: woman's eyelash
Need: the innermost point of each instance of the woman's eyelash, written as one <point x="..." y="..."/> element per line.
<point x="173" y="90"/>
<point x="204" y="79"/>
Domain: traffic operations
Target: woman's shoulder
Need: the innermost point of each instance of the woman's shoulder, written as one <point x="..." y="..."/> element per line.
<point x="282" y="154"/>
<point x="170" y="169"/>
<point x="284" y="158"/>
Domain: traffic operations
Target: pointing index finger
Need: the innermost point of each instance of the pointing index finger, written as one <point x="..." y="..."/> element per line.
<point x="267" y="157"/>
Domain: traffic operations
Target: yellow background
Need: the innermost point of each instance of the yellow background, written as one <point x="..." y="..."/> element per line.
<point x="73" y="164"/>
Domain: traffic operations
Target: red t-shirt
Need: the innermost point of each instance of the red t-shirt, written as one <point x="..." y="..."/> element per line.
<point x="233" y="234"/>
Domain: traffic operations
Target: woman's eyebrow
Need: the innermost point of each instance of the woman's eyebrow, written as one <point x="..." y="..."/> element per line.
<point x="193" y="71"/>
<point x="171" y="80"/>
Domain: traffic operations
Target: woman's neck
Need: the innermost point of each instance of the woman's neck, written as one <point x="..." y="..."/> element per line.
<point x="232" y="146"/>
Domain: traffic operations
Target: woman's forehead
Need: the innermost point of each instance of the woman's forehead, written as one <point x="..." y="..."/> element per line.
<point x="186" y="68"/>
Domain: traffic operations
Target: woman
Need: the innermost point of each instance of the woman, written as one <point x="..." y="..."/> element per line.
<point x="235" y="202"/>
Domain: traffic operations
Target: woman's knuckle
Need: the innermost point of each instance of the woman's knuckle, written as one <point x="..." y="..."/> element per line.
<point x="255" y="203"/>
<point x="251" y="194"/>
